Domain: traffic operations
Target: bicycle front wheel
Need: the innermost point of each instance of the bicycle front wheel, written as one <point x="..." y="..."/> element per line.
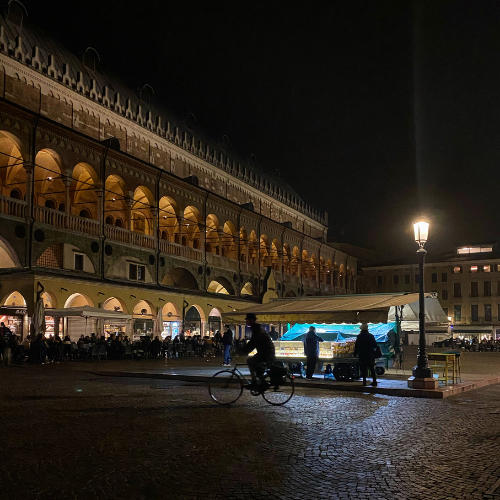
<point x="279" y="395"/>
<point x="225" y="387"/>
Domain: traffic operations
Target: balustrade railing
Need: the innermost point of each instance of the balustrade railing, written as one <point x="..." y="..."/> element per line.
<point x="13" y="207"/>
<point x="49" y="216"/>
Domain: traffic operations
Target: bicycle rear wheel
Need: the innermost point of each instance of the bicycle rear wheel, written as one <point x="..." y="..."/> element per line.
<point x="225" y="387"/>
<point x="279" y="395"/>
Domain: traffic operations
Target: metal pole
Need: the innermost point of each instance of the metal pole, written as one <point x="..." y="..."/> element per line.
<point x="422" y="369"/>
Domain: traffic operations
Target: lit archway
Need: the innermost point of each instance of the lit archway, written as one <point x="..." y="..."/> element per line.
<point x="8" y="257"/>
<point x="168" y="219"/>
<point x="14" y="299"/>
<point x="247" y="289"/>
<point x="49" y="300"/>
<point x="180" y="277"/>
<point x="229" y="243"/>
<point x="212" y="234"/>
<point x="12" y="173"/>
<point x="78" y="300"/>
<point x="142" y="215"/>
<point x="115" y="202"/>
<point x="115" y="304"/>
<point x="243" y="244"/>
<point x="264" y="250"/>
<point x="191" y="226"/>
<point x="49" y="189"/>
<point x="83" y="192"/>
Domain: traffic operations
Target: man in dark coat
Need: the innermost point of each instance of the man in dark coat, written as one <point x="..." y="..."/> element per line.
<point x="227" y="341"/>
<point x="365" y="348"/>
<point x="311" y="350"/>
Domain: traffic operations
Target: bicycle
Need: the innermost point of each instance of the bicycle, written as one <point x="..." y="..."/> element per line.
<point x="226" y="386"/>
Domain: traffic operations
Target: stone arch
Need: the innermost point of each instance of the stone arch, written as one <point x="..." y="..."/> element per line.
<point x="142" y="213"/>
<point x="191" y="226"/>
<point x="171" y="312"/>
<point x="313" y="267"/>
<point x="49" y="300"/>
<point x="342" y="276"/>
<point x="83" y="190"/>
<point x="115" y="204"/>
<point x="221" y="285"/>
<point x="229" y="241"/>
<point x="78" y="300"/>
<point x="194" y="319"/>
<point x="305" y="264"/>
<point x="287" y="258"/>
<point x="275" y="255"/>
<point x="49" y="186"/>
<point x="14" y="299"/>
<point x="12" y="173"/>
<point x="169" y="219"/>
<point x="329" y="272"/>
<point x="8" y="256"/>
<point x="247" y="289"/>
<point x="264" y="250"/>
<point x="144" y="305"/>
<point x="295" y="261"/>
<point x="243" y="244"/>
<point x="115" y="304"/>
<point x="181" y="277"/>
<point x="253" y="248"/>
<point x="290" y="293"/>
<point x="212" y="234"/>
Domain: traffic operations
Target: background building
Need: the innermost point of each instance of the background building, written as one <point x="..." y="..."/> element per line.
<point x="466" y="281"/>
<point x="107" y="200"/>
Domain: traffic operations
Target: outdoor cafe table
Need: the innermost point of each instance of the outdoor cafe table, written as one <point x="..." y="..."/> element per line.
<point x="446" y="363"/>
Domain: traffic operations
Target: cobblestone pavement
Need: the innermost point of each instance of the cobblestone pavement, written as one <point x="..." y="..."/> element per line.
<point x="67" y="434"/>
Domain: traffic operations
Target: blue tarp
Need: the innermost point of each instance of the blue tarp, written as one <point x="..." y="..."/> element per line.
<point x="384" y="333"/>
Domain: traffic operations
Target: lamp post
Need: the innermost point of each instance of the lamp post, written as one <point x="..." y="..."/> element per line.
<point x="422" y="374"/>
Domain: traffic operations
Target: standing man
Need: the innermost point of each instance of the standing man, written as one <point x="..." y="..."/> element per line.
<point x="365" y="348"/>
<point x="311" y="350"/>
<point x="227" y="342"/>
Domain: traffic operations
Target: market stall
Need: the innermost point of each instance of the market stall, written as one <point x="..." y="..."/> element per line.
<point x="337" y="319"/>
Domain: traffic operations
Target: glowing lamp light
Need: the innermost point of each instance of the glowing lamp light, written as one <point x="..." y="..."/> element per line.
<point x="421" y="232"/>
<point x="449" y="318"/>
<point x="49" y="178"/>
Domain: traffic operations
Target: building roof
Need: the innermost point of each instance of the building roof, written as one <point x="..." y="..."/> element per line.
<point x="87" y="71"/>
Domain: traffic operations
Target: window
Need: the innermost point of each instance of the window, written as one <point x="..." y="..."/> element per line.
<point x="474" y="269"/>
<point x="457" y="289"/>
<point x="396" y="279"/>
<point x="498" y="267"/>
<point x="487" y="312"/>
<point x="474" y="312"/>
<point x="85" y="214"/>
<point x="474" y="289"/>
<point x="444" y="294"/>
<point x="469" y="250"/>
<point x="434" y="278"/>
<point x="417" y="278"/>
<point x="458" y="313"/>
<point x="78" y="262"/>
<point x="457" y="269"/>
<point x="487" y="288"/>
<point x="487" y="269"/>
<point x="379" y="280"/>
<point x="407" y="279"/>
<point x="137" y="272"/>
<point x="444" y="277"/>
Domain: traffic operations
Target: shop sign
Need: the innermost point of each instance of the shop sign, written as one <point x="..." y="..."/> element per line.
<point x="12" y="311"/>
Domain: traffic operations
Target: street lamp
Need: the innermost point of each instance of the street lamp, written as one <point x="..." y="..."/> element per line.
<point x="422" y="374"/>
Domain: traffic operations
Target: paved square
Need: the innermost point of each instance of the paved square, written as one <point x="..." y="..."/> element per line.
<point x="70" y="434"/>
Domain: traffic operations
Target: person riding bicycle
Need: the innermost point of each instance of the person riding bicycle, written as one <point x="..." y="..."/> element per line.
<point x="261" y="341"/>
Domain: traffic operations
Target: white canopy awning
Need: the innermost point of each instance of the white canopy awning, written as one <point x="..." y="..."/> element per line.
<point x="433" y="311"/>
<point x="87" y="312"/>
<point x="372" y="308"/>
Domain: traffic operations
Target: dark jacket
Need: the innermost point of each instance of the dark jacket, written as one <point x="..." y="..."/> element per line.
<point x="262" y="342"/>
<point x="311" y="344"/>
<point x="365" y="347"/>
<point x="227" y="338"/>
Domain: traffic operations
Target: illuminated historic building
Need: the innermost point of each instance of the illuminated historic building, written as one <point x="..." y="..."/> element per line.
<point x="108" y="201"/>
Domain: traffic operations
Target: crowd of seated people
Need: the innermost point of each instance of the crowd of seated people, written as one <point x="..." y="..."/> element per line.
<point x="54" y="349"/>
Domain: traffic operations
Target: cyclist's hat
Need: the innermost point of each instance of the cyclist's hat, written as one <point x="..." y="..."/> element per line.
<point x="251" y="316"/>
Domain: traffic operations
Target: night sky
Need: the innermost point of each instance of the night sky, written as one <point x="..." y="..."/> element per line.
<point x="376" y="111"/>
